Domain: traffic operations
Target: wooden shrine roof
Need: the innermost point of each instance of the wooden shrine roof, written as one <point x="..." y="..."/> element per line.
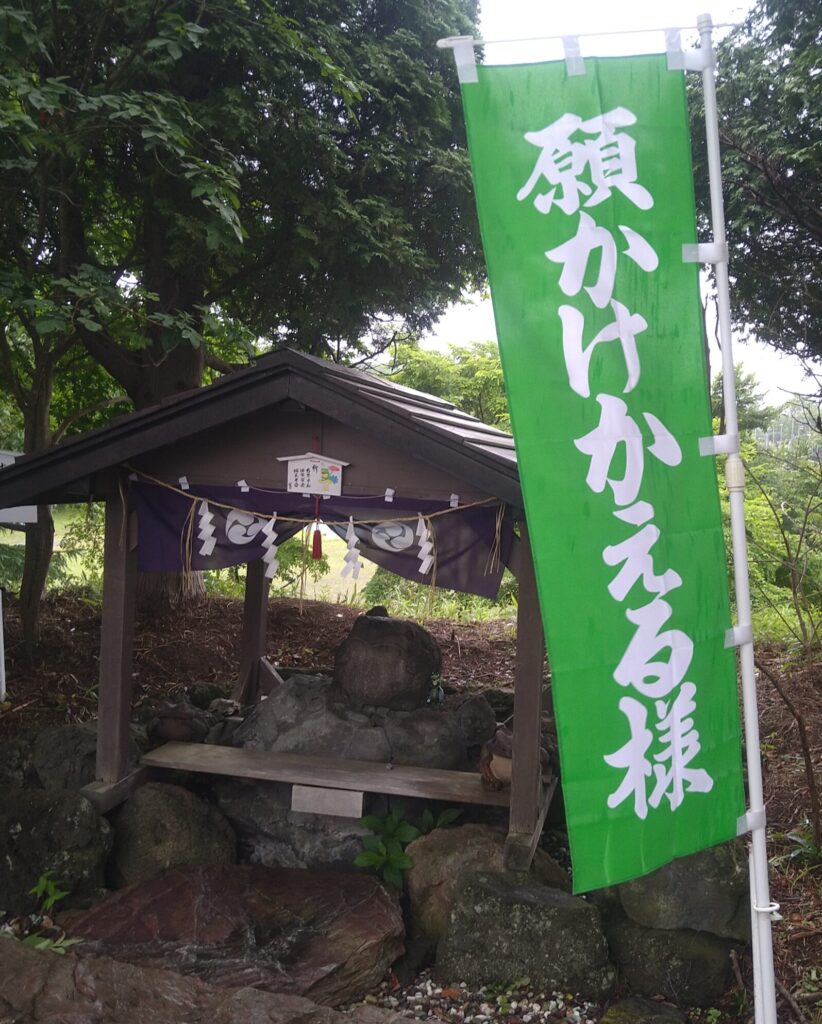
<point x="431" y="429"/>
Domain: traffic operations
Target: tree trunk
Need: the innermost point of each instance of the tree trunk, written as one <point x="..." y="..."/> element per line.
<point x="39" y="545"/>
<point x="39" y="535"/>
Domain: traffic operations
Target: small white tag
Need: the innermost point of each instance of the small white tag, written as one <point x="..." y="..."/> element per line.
<point x="705" y="252"/>
<point x="243" y="486"/>
<point x="454" y="500"/>
<point x="184" y="482"/>
<point x="719" y="444"/>
<point x="574" y="64"/>
<point x="389" y="493"/>
<point x="736" y="636"/>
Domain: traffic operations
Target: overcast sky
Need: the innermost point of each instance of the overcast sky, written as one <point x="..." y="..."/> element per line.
<point x="531" y="19"/>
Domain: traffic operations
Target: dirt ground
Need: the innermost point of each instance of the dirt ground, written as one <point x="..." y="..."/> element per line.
<point x="57" y="681"/>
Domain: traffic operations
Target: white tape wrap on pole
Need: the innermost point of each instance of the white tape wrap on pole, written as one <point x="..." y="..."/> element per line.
<point x="761" y="905"/>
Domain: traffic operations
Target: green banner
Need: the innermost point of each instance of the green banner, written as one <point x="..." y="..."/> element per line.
<point x="585" y="197"/>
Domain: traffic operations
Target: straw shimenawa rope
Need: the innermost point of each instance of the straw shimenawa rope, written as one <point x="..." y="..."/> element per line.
<point x="186" y="538"/>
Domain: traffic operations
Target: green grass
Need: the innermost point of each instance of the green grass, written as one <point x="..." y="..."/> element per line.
<point x="334" y="586"/>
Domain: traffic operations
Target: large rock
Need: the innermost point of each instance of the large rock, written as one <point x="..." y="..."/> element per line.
<point x="475" y="716"/>
<point x="50" y="831"/>
<point x="16" y="768"/>
<point x="689" y="967"/>
<point x="501" y="928"/>
<point x="440" y="857"/>
<point x="327" y="936"/>
<point x="386" y="662"/>
<point x="271" y="833"/>
<point x="162" y="826"/>
<point x="299" y="717"/>
<point x="42" y="988"/>
<point x="64" y="756"/>
<point x="707" y="891"/>
<point x="427" y="736"/>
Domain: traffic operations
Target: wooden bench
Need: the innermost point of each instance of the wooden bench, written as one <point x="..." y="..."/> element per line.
<point x="328" y="773"/>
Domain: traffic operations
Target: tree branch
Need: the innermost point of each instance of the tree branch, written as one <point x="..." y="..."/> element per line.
<point x="7" y="371"/>
<point x="78" y="414"/>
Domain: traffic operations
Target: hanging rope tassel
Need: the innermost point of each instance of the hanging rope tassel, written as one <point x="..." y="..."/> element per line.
<point x="317" y="539"/>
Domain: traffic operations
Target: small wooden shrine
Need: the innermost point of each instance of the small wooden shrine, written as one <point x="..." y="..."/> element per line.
<point x="210" y="478"/>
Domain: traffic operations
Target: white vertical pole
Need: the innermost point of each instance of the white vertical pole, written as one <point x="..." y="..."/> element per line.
<point x="735" y="474"/>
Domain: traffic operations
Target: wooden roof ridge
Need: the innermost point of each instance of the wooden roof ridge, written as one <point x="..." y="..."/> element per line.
<point x="400" y="416"/>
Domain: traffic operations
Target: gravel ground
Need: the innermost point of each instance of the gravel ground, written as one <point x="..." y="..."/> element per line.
<point x="425" y="1000"/>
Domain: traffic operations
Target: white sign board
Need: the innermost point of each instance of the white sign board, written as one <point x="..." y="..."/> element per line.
<point x="310" y="473"/>
<point x="20" y="513"/>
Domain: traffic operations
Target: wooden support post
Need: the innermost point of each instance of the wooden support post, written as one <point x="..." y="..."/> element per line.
<point x="255" y="623"/>
<point x="526" y="775"/>
<point x="116" y="640"/>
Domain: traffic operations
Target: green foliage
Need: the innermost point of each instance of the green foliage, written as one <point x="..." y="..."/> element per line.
<point x="769" y="97"/>
<point x="59" y="945"/>
<point x="751" y="411"/>
<point x="158" y="204"/>
<point x="469" y="376"/>
<point x="407" y="599"/>
<point x="384" y="850"/>
<point x="293" y="560"/>
<point x="12" y="557"/>
<point x="445" y="818"/>
<point x="47" y="891"/>
<point x="784" y="522"/>
<point x="82" y="548"/>
<point x="802" y="850"/>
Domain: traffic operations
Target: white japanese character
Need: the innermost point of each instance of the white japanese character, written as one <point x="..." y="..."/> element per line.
<point x="616" y="428"/>
<point x="633" y="758"/>
<point x="637" y="564"/>
<point x="677" y="730"/>
<point x="641" y="666"/>
<point x="610" y="157"/>
<point x="624" y="329"/>
<point x="575" y="253"/>
<point x="559" y="162"/>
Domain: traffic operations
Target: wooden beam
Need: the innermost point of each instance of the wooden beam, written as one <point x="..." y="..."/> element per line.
<point x="268" y="678"/>
<point x="520" y="847"/>
<point x="255" y="624"/>
<point x="526" y="775"/>
<point x="104" y="795"/>
<point x="116" y="638"/>
<point x="327" y="772"/>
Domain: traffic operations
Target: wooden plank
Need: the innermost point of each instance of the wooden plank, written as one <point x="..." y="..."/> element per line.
<point x="255" y="621"/>
<point x="526" y="772"/>
<point x="268" y="678"/>
<point x="334" y="773"/>
<point x="341" y="803"/>
<point x="116" y="640"/>
<point x="520" y="847"/>
<point x="105" y="795"/>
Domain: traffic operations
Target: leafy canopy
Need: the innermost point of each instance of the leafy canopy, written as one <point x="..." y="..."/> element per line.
<point x="180" y="177"/>
<point x="470" y="376"/>
<point x="769" y="97"/>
